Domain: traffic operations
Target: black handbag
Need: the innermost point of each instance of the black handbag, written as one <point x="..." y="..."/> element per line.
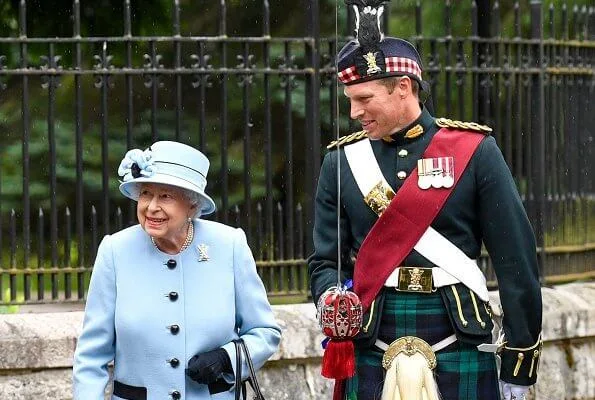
<point x="240" y="388"/>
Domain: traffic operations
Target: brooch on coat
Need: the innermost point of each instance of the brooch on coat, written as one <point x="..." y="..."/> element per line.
<point x="202" y="252"/>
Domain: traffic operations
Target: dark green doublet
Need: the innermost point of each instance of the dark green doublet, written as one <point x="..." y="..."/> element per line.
<point x="484" y="206"/>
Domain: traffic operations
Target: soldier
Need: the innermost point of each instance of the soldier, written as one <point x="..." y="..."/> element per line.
<point x="417" y="196"/>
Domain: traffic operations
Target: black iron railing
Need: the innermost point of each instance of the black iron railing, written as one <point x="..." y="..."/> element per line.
<point x="261" y="108"/>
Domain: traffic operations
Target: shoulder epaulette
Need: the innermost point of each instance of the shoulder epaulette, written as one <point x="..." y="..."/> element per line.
<point x="471" y="126"/>
<point x="343" y="140"/>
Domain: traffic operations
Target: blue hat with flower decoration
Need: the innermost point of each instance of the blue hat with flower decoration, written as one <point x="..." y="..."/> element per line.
<point x="168" y="163"/>
<point x="373" y="56"/>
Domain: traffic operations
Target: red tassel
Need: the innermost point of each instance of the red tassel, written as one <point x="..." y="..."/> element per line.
<point x="338" y="361"/>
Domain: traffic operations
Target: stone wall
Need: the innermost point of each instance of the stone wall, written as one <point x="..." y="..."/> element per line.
<point x="36" y="351"/>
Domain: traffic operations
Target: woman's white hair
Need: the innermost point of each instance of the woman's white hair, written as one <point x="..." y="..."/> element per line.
<point x="195" y="200"/>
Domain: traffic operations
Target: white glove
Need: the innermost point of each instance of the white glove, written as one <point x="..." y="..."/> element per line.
<point x="510" y="391"/>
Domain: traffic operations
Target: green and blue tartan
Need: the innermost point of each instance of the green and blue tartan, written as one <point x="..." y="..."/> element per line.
<point x="462" y="373"/>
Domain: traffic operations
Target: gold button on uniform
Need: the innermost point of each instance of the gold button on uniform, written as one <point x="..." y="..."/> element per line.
<point x="403" y="153"/>
<point x="401" y="175"/>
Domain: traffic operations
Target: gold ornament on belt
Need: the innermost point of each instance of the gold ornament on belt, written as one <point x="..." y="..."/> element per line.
<point x="415" y="279"/>
<point x="409" y="345"/>
<point x="409" y="362"/>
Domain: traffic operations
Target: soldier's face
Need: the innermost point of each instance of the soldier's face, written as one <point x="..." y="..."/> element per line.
<point x="379" y="111"/>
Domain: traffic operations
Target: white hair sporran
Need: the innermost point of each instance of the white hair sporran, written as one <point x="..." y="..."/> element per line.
<point x="409" y="362"/>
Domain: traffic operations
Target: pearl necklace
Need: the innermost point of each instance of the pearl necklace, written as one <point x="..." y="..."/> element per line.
<point x="189" y="238"/>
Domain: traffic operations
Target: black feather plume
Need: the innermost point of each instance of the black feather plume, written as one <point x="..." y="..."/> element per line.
<point x="368" y="33"/>
<point x="366" y="3"/>
<point x="368" y="22"/>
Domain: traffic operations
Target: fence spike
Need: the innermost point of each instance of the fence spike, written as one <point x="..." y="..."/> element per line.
<point x="551" y="20"/>
<point x="176" y="16"/>
<point x="474" y="18"/>
<point x="517" y="19"/>
<point x="585" y="19"/>
<point x="300" y="230"/>
<point x="67" y="246"/>
<point x="236" y="212"/>
<point x="40" y="238"/>
<point x="496" y="19"/>
<point x="565" y="25"/>
<point x="13" y="254"/>
<point x="76" y="21"/>
<point x="40" y="253"/>
<point x="119" y="219"/>
<point x="591" y="26"/>
<point x="418" y="19"/>
<point x="266" y="18"/>
<point x="448" y="17"/>
<point x="93" y="232"/>
<point x="575" y="21"/>
<point x="222" y="18"/>
<point x="259" y="228"/>
<point x="279" y="241"/>
<point x="127" y="19"/>
<point x="13" y="238"/>
<point x="23" y="18"/>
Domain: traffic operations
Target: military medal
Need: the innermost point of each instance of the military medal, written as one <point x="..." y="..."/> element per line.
<point x="424" y="179"/>
<point x="448" y="174"/>
<point x="435" y="172"/>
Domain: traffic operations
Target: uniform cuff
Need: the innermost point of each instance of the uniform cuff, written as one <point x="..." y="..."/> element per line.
<point x="519" y="365"/>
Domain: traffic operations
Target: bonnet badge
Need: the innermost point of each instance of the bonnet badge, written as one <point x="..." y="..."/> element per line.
<point x="373" y="68"/>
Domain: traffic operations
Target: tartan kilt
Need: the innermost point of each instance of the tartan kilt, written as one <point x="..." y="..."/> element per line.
<point x="462" y="373"/>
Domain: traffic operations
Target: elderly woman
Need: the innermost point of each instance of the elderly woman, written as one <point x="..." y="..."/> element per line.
<point x="170" y="295"/>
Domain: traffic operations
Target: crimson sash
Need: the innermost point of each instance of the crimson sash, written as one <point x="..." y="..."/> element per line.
<point x="409" y="214"/>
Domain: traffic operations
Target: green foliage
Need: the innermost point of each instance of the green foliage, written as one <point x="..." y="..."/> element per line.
<point x="8" y="309"/>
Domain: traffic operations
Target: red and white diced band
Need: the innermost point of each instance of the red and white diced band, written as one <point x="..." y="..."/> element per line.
<point x="393" y="64"/>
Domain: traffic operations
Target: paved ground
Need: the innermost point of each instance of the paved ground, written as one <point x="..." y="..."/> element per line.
<point x="47" y="308"/>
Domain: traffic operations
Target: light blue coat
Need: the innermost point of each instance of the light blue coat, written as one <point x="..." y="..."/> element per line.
<point x="129" y="313"/>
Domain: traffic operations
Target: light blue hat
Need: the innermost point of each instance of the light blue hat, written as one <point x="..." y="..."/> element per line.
<point x="169" y="163"/>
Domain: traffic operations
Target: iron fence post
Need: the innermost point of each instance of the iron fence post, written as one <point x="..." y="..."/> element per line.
<point x="25" y="117"/>
<point x="590" y="123"/>
<point x="537" y="134"/>
<point x="312" y="123"/>
<point x="481" y="92"/>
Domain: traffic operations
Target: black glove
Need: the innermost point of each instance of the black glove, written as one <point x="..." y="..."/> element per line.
<point x="208" y="367"/>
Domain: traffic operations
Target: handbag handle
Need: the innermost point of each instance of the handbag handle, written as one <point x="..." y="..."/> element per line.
<point x="241" y="386"/>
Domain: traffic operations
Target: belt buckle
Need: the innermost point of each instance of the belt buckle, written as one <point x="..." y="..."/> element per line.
<point x="415" y="279"/>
